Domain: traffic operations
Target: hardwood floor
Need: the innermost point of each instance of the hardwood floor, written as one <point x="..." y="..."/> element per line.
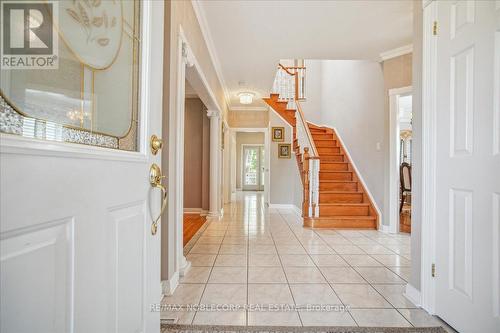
<point x="405" y="219"/>
<point x="192" y="223"/>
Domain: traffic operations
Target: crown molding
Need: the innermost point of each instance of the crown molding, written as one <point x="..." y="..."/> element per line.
<point x="199" y="13"/>
<point x="396" y="52"/>
<point x="248" y="108"/>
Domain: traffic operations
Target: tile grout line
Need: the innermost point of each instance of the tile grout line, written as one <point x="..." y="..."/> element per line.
<point x="326" y="280"/>
<point x="284" y="272"/>
<point x="367" y="282"/>
<point x="211" y="269"/>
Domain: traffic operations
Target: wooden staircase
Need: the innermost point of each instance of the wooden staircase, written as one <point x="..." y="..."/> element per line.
<point x="343" y="201"/>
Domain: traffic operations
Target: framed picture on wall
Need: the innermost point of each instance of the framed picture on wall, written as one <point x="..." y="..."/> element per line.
<point x="284" y="150"/>
<point x="278" y="134"/>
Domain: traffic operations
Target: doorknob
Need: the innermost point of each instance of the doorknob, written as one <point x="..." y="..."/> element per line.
<point x="155" y="143"/>
<point x="155" y="178"/>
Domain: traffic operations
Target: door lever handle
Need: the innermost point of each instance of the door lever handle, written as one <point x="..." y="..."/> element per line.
<point x="155" y="178"/>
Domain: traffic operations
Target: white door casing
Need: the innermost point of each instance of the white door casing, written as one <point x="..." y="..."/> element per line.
<point x="394" y="137"/>
<point x="467" y="165"/>
<point x="77" y="252"/>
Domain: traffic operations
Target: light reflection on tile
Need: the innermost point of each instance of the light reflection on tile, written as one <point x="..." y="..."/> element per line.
<point x="254" y="254"/>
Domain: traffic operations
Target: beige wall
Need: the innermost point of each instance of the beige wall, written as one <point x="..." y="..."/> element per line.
<point x="284" y="178"/>
<point x="397" y="73"/>
<point x="196" y="157"/>
<point x="248" y="119"/>
<point x="241" y="139"/>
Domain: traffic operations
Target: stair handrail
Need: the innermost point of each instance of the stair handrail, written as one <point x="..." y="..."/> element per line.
<point x="286" y="85"/>
<point x="310" y="139"/>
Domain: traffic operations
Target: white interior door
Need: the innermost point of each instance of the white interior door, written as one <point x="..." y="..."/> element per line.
<point x="468" y="165"/>
<point x="77" y="250"/>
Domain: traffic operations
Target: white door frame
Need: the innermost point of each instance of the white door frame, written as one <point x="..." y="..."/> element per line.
<point x="428" y="214"/>
<point x="394" y="140"/>
<point x="267" y="154"/>
<point x="187" y="67"/>
<point x="260" y="163"/>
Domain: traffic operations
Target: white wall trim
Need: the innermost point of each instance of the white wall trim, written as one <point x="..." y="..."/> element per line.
<point x="199" y="211"/>
<point x="205" y="31"/>
<point x="168" y="286"/>
<point x="413" y="294"/>
<point x="394" y="138"/>
<point x="294" y="208"/>
<point x="297" y="211"/>
<point x="396" y="52"/>
<point x="429" y="110"/>
<point x="248" y="108"/>
<point x="281" y="206"/>
<point x="384" y="228"/>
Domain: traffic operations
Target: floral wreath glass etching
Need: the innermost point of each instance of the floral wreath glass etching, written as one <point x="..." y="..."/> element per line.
<point x="92" y="30"/>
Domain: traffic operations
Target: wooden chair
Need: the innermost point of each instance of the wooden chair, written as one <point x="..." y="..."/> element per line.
<point x="405" y="183"/>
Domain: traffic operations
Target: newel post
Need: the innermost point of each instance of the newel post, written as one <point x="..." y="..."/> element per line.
<point x="305" y="181"/>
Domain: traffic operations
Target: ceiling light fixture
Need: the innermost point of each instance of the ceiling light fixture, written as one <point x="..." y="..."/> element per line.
<point x="246" y="97"/>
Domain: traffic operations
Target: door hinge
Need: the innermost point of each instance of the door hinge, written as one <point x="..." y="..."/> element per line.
<point x="435" y="28"/>
<point x="433" y="270"/>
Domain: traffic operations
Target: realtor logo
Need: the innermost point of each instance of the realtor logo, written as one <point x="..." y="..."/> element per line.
<point x="29" y="37"/>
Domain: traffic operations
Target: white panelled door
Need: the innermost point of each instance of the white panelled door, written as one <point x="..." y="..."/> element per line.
<point x="77" y="249"/>
<point x="468" y="165"/>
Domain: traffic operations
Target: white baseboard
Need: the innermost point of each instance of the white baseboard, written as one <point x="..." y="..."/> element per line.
<point x="199" y="211"/>
<point x="297" y="210"/>
<point x="384" y="228"/>
<point x="281" y="206"/>
<point x="168" y="286"/>
<point x="413" y="295"/>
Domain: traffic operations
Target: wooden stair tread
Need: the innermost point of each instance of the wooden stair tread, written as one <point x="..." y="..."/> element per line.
<point x="345" y="204"/>
<point x="341" y="192"/>
<point x="338" y="181"/>
<point x="330" y="171"/>
<point x="347" y="217"/>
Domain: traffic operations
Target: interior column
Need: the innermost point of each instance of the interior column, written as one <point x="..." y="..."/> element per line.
<point x="214" y="163"/>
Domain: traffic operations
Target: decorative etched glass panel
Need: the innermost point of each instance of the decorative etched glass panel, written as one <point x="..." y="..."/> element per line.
<point x="92" y="97"/>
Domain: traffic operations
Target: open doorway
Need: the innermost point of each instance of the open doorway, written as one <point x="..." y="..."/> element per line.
<point x="196" y="163"/>
<point x="405" y="161"/>
<point x="250" y="161"/>
<point x="400" y="126"/>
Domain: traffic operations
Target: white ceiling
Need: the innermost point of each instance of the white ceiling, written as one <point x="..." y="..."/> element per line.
<point x="249" y="37"/>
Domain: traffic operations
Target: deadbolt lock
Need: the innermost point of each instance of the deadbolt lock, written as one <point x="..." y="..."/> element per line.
<point x="156" y="144"/>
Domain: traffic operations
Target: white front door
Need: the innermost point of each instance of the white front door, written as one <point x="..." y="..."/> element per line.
<point x="77" y="249"/>
<point x="468" y="165"/>
<point x="252" y="168"/>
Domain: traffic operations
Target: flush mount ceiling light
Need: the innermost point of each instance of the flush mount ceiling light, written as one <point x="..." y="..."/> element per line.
<point x="246" y="97"/>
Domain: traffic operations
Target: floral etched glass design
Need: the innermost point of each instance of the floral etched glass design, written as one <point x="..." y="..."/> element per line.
<point x="93" y="96"/>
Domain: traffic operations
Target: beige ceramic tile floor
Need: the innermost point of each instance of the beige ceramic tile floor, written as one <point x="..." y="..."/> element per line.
<point x="265" y="258"/>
